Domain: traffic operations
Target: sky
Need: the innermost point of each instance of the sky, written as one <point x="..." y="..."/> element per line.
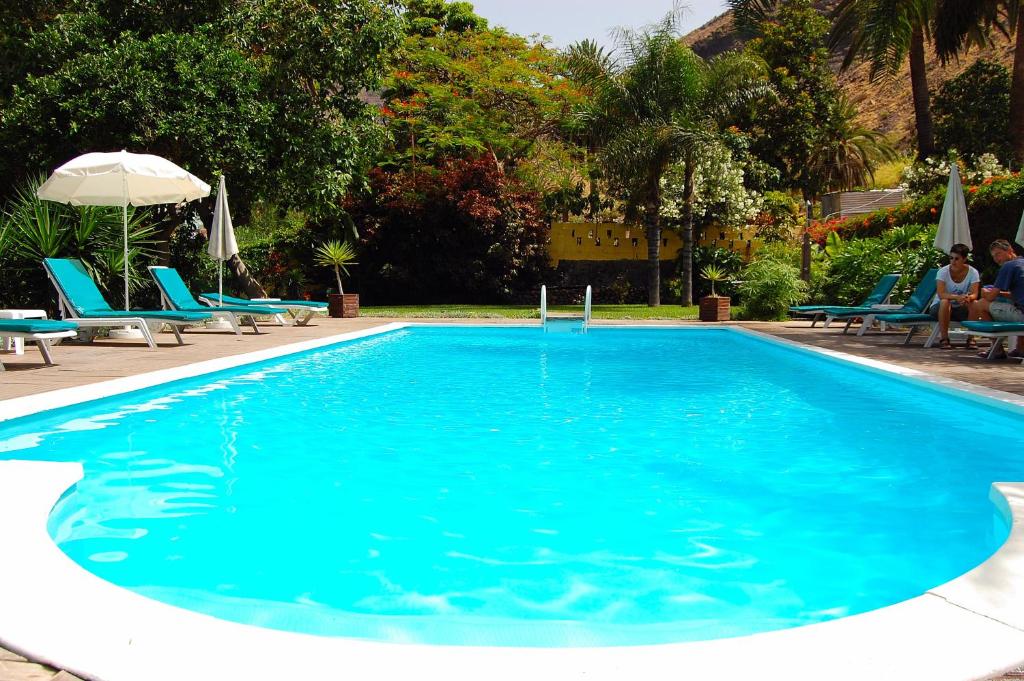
<point x="567" y="21"/>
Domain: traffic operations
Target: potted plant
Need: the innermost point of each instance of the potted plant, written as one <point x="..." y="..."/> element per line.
<point x="339" y="255"/>
<point x="714" y="308"/>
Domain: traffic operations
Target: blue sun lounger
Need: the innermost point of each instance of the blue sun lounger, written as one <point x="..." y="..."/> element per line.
<point x="913" y="310"/>
<point x="878" y="296"/>
<point x="999" y="332"/>
<point x="40" y="331"/>
<point x="81" y="302"/>
<point x="176" y="296"/>
<point x="300" y="311"/>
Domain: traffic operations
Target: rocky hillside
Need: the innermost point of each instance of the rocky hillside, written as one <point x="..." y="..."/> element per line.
<point x="886" y="104"/>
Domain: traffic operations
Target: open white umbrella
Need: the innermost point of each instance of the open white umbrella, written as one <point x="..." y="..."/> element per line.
<point x="118" y="179"/>
<point x="953" y="225"/>
<point x="222" y="237"/>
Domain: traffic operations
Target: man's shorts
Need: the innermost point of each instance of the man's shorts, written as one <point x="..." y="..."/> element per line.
<point x="957" y="313"/>
<point x="1005" y="312"/>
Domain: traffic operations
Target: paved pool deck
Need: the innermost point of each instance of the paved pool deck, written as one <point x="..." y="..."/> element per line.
<point x="85" y="364"/>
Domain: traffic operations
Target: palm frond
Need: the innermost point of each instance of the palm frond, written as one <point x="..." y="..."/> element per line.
<point x="749" y="15"/>
<point x="961" y="24"/>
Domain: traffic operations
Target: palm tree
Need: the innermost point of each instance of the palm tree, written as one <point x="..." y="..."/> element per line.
<point x="960" y="25"/>
<point x="657" y="106"/>
<point x="846" y="153"/>
<point x="884" y="33"/>
<point x="586" y="64"/>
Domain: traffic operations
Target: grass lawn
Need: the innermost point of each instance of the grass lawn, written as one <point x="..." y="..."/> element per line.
<point x="528" y="311"/>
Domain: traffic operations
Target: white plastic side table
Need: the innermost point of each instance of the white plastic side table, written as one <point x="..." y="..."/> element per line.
<point x="19" y="343"/>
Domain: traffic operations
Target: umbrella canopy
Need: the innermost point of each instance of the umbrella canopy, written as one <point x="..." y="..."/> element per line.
<point x="1020" y="232"/>
<point x="222" y="236"/>
<point x="953" y="225"/>
<point x="118" y="179"/>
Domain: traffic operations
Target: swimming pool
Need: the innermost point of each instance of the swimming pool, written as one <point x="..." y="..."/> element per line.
<point x="503" y="487"/>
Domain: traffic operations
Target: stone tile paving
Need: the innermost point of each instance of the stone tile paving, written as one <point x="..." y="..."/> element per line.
<point x="14" y="667"/>
<point x="82" y="364"/>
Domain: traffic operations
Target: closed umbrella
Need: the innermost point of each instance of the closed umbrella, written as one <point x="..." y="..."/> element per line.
<point x="118" y="179"/>
<point x="953" y="225"/>
<point x="1020" y="232"/>
<point x="222" y="237"/>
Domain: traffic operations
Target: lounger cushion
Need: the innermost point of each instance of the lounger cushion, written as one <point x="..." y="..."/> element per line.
<point x="995" y="327"/>
<point x="240" y="309"/>
<point x="35" y="326"/>
<point x="902" y="318"/>
<point x="231" y="300"/>
<point x="161" y="315"/>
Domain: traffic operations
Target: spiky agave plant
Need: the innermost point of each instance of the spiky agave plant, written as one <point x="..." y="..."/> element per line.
<point x="714" y="274"/>
<point x="336" y="254"/>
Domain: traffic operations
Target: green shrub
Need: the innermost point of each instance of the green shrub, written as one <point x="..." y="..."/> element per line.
<point x="770" y="287"/>
<point x="972" y="111"/>
<point x="856" y="265"/>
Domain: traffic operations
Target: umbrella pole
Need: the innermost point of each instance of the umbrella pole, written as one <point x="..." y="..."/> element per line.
<point x="220" y="283"/>
<point x="124" y="221"/>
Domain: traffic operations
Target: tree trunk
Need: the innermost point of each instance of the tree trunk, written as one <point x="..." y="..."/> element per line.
<point x="653" y="229"/>
<point x="1017" y="95"/>
<point x="922" y="105"/>
<point x="687" y="268"/>
<point x="249" y="284"/>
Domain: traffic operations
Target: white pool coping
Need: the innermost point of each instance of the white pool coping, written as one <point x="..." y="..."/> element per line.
<point x="53" y="610"/>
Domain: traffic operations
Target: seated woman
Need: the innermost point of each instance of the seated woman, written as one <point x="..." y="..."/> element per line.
<point x="957" y="285"/>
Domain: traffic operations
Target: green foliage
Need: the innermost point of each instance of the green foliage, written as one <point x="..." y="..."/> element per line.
<point x="471" y="90"/>
<point x="844" y="153"/>
<point x="34" y="229"/>
<point x="855" y="265"/>
<point x="808" y="132"/>
<point x="770" y="287"/>
<point x="779" y="217"/>
<point x="430" y="17"/>
<point x="264" y="90"/>
<point x="972" y="111"/>
<point x="994" y="208"/>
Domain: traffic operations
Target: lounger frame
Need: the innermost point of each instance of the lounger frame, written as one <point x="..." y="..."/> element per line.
<point x="41" y="339"/>
<point x="231" y="318"/>
<point x="298" y="315"/>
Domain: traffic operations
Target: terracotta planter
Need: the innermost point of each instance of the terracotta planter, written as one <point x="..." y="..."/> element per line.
<point x="343" y="304"/>
<point x="714" y="309"/>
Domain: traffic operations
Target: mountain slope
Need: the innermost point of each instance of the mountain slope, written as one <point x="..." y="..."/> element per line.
<point x="884" y="105"/>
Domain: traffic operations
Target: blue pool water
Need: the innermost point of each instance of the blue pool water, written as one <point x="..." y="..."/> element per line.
<point x="502" y="486"/>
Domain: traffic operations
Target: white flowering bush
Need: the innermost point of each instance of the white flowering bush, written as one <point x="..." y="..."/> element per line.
<point x="920" y="178"/>
<point x="719" y="194"/>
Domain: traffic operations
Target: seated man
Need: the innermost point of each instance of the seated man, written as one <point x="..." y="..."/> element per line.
<point x="1003" y="301"/>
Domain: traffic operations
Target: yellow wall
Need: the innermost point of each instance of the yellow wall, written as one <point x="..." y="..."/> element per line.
<point x="606" y="241"/>
<point x="738" y="239"/>
<point x="591" y="241"/>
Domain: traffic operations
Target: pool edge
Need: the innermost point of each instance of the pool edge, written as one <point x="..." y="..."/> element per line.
<point x="18" y="407"/>
<point x="58" y="612"/>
